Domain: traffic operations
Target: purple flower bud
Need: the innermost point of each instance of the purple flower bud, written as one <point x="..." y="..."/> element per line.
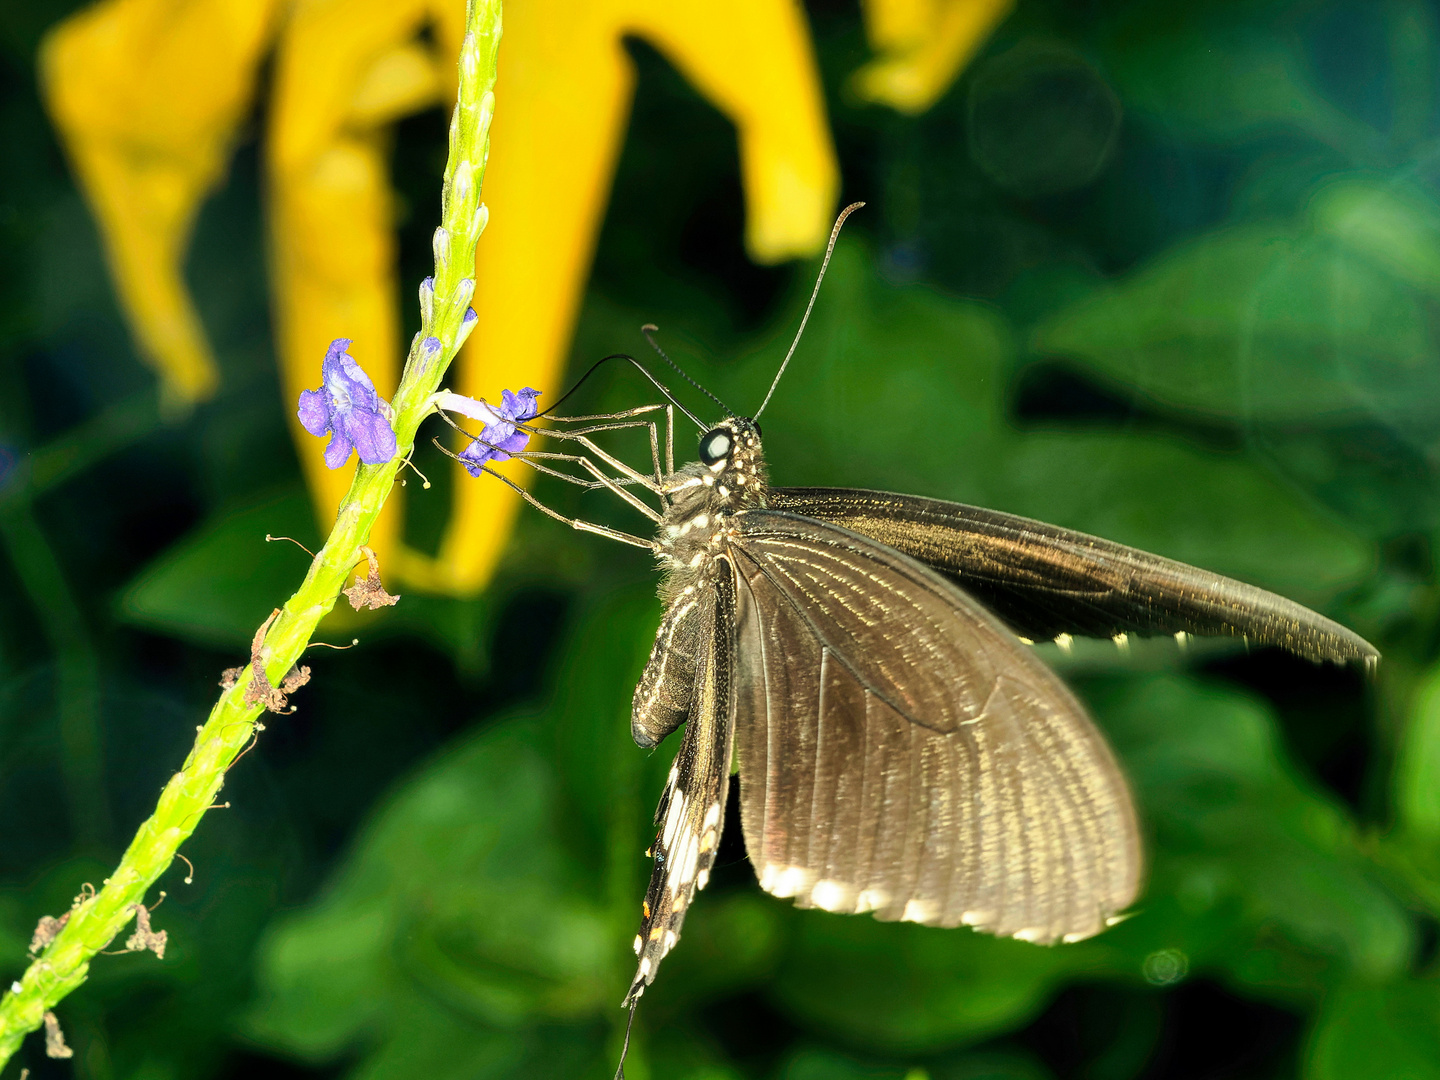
<point x="347" y="406"/>
<point x="467" y="323"/>
<point x="430" y="350"/>
<point x="501" y="438"/>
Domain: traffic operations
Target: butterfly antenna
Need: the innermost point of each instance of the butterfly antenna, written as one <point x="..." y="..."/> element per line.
<point x="639" y="367"/>
<point x="650" y="330"/>
<point x="829" y="250"/>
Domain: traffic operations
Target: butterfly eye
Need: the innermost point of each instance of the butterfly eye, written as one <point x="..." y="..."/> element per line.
<point x="715" y="445"/>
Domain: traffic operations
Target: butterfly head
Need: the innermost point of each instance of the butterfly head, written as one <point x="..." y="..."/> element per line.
<point x="730" y="475"/>
<point x="732" y="463"/>
<point x="731" y="439"/>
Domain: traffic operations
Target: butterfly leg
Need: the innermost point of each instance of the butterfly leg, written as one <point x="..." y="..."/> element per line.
<point x="654" y="436"/>
<point x="533" y="458"/>
<point x="626" y="414"/>
<point x="631" y="476"/>
<point x="607" y="482"/>
<point x="576" y="523"/>
<point x="582" y="437"/>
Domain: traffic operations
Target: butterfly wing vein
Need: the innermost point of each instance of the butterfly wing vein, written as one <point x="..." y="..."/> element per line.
<point x="901" y="752"/>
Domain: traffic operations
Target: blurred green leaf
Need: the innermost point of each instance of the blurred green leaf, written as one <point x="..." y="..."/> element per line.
<point x="987" y="1065"/>
<point x="1256" y="870"/>
<point x="1209" y="79"/>
<point x="217" y="585"/>
<point x="894" y="387"/>
<point x="1377" y="1032"/>
<point x="1261" y="322"/>
<point x="901" y="987"/>
<point x="685" y="1049"/>
<point x="458" y="896"/>
<point x="732" y="943"/>
<point x="1417" y="770"/>
<point x="813" y="1064"/>
<point x="1386" y="219"/>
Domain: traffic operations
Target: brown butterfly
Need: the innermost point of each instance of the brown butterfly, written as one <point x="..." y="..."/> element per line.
<point x="862" y="657"/>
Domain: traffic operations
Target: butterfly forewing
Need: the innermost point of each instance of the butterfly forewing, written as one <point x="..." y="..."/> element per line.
<point x="1044" y="581"/>
<point x="901" y="752"/>
<point x="691" y="813"/>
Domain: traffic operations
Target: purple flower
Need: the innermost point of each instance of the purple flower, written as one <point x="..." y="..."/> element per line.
<point x="501" y="438"/>
<point x="347" y="406"/>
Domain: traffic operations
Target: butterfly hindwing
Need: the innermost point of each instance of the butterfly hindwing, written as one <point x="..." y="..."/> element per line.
<point x="1044" y="581"/>
<point x="901" y="752"/>
<point x="691" y="813"/>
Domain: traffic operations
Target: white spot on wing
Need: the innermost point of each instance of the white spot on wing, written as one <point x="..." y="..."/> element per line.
<point x="920" y="911"/>
<point x="1031" y="934"/>
<point x="785" y="880"/>
<point x="682" y="870"/>
<point x="1064" y="641"/>
<point x="672" y="819"/>
<point x="830" y="895"/>
<point x="1122" y="642"/>
<point x="871" y="899"/>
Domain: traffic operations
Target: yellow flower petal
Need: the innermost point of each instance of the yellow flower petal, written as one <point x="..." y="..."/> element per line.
<point x="923" y="45"/>
<point x="344" y="70"/>
<point x="564" y="98"/>
<point x="146" y="96"/>
<point x="340" y="70"/>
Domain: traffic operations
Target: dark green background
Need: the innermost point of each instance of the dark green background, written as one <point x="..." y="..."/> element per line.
<point x="1172" y="278"/>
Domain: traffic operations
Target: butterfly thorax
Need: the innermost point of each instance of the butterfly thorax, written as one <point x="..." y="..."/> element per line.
<point x="703" y="499"/>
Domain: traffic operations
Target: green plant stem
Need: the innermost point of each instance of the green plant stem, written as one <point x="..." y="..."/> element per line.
<point x="95" y="921"/>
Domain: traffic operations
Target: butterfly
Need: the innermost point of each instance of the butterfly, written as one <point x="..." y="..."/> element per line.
<point x="901" y="751"/>
<point x="863" y="658"/>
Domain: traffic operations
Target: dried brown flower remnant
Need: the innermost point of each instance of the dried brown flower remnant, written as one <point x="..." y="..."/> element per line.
<point x="368" y="592"/>
<point x="260" y="692"/>
<point x="55" y="1038"/>
<point x="46" y="931"/>
<point x="145" y="938"/>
